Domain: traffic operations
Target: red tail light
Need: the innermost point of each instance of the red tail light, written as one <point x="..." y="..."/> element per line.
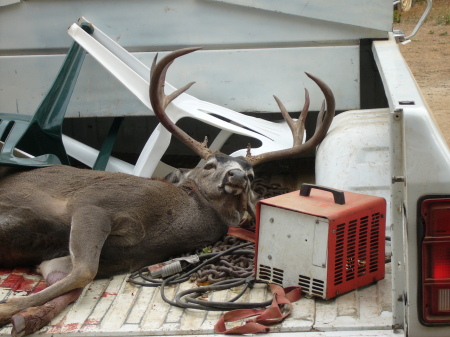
<point x="435" y="278"/>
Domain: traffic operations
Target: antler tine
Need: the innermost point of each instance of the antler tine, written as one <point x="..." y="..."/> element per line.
<point x="305" y="110"/>
<point x="160" y="101"/>
<point x="320" y="116"/>
<point x="324" y="120"/>
<point x="152" y="69"/>
<point x="297" y="127"/>
<point x="300" y="123"/>
<point x="325" y="117"/>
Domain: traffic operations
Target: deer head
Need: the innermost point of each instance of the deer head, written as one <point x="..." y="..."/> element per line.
<point x="232" y="176"/>
<point x="226" y="182"/>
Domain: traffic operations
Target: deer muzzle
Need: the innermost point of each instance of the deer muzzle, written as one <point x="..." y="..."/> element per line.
<point x="235" y="182"/>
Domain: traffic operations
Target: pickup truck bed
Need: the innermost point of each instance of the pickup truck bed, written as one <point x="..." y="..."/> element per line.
<point x="115" y="307"/>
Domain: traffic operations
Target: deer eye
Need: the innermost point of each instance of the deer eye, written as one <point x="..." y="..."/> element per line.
<point x="209" y="166"/>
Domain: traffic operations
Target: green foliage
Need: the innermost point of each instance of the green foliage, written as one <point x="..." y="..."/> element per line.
<point x="397" y="16"/>
<point x="206" y="250"/>
<point x="443" y="20"/>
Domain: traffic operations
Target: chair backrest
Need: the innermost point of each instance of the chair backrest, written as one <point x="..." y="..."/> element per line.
<point x="134" y="75"/>
<point x="40" y="135"/>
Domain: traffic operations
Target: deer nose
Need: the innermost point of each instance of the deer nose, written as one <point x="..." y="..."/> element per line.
<point x="235" y="181"/>
<point x="236" y="175"/>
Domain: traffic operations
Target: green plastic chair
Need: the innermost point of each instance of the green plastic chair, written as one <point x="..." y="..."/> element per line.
<point x="107" y="146"/>
<point x="40" y="135"/>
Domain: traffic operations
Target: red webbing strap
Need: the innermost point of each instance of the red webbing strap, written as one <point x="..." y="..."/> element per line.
<point x="241" y="233"/>
<point x="271" y="315"/>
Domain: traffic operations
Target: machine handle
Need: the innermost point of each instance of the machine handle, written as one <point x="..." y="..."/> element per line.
<point x="339" y="197"/>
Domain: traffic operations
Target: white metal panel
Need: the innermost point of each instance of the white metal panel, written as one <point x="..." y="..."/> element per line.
<point x="142" y="25"/>
<point x="243" y="80"/>
<point x="8" y="2"/>
<point x="286" y="242"/>
<point x="320" y="248"/>
<point x="370" y="14"/>
<point x="425" y="164"/>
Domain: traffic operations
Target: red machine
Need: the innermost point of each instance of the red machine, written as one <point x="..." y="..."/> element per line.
<point x="327" y="241"/>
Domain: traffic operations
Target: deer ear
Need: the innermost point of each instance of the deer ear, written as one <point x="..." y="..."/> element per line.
<point x="178" y="176"/>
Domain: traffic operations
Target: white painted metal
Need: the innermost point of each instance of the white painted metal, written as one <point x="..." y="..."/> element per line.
<point x="142" y="25"/>
<point x="371" y="14"/>
<point x="8" y="2"/>
<point x="424" y="163"/>
<point x="251" y="53"/>
<point x="114" y="307"/>
<point x="397" y="222"/>
<point x="297" y="235"/>
<point x="242" y="80"/>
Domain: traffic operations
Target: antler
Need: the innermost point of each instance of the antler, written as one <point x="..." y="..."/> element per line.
<point x="160" y="100"/>
<point x="324" y="120"/>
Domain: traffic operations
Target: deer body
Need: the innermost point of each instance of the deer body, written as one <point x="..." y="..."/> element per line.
<point x="87" y="224"/>
<point x="147" y="220"/>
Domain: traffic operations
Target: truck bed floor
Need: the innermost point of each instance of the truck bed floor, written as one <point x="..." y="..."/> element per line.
<point x="115" y="307"/>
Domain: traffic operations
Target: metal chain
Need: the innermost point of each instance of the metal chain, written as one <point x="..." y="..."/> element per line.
<point x="266" y="190"/>
<point x="228" y="266"/>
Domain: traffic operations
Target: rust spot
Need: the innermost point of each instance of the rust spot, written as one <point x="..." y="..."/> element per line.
<point x="91" y="321"/>
<point x="105" y="294"/>
<point x="69" y="327"/>
<point x="61" y="327"/>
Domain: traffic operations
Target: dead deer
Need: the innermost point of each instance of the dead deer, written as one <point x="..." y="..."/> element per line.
<point x="79" y="224"/>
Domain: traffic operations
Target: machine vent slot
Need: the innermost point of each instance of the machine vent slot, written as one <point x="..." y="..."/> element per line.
<point x="362" y="246"/>
<point x="318" y="287"/>
<point x="339" y="257"/>
<point x="265" y="273"/>
<point x="277" y="276"/>
<point x="357" y="248"/>
<point x="271" y="275"/>
<point x="374" y="246"/>
<point x="351" y="250"/>
<point x="312" y="286"/>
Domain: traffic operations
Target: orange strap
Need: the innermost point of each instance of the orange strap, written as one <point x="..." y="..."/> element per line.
<point x="271" y="315"/>
<point x="241" y="233"/>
